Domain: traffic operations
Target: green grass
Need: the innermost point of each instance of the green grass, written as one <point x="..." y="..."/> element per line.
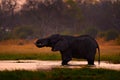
<point x="31" y="56"/>
<point x="61" y="74"/>
<point x="111" y="58"/>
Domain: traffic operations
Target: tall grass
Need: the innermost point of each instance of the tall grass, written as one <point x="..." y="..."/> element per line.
<point x="61" y="74"/>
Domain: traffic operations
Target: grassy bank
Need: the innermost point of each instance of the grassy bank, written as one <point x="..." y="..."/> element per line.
<point x="17" y="49"/>
<point x="30" y="56"/>
<point x="61" y="74"/>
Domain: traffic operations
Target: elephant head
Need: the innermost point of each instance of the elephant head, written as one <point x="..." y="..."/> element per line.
<point x="41" y="43"/>
<point x="48" y="42"/>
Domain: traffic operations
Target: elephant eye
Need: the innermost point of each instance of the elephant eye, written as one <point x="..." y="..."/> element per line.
<point x="40" y="43"/>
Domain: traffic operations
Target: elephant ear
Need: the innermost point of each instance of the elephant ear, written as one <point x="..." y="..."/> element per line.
<point x="52" y="40"/>
<point x="61" y="45"/>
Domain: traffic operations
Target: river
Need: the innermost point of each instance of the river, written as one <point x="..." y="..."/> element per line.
<point x="48" y="65"/>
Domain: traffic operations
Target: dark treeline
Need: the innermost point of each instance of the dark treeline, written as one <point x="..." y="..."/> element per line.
<point x="38" y="18"/>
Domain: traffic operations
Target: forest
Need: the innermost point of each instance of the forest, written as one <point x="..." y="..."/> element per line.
<point x="29" y="19"/>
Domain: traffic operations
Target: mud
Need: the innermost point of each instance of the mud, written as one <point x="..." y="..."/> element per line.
<point x="49" y="65"/>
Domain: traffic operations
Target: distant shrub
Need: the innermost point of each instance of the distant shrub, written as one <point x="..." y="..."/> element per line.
<point x="111" y="35"/>
<point x="101" y="34"/>
<point x="23" y="32"/>
<point x="5" y="34"/>
<point x="92" y="31"/>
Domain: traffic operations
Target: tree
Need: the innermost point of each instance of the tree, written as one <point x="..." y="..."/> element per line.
<point x="73" y="9"/>
<point x="116" y="17"/>
<point x="30" y="5"/>
<point x="1" y="15"/>
<point x="9" y="6"/>
<point x="8" y="10"/>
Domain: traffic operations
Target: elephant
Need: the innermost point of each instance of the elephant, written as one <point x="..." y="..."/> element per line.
<point x="83" y="46"/>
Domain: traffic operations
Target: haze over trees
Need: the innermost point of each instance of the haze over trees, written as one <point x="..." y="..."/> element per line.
<point x="39" y="18"/>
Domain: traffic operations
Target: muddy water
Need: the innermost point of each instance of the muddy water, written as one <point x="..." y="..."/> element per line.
<point x="48" y="65"/>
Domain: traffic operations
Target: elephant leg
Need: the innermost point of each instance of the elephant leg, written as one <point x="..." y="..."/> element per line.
<point x="65" y="62"/>
<point x="66" y="57"/>
<point x="91" y="56"/>
<point x="90" y="61"/>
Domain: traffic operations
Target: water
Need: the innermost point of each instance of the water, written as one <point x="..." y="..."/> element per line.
<point x="48" y="65"/>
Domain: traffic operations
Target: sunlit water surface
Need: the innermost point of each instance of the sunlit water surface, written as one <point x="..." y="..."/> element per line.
<point x="48" y="65"/>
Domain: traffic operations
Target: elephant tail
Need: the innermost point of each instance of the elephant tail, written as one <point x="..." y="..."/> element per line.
<point x="98" y="55"/>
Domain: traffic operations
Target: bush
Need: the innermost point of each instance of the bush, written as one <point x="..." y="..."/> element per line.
<point x="5" y="34"/>
<point x="111" y="35"/>
<point x="92" y="31"/>
<point x="23" y="32"/>
<point x="101" y="34"/>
